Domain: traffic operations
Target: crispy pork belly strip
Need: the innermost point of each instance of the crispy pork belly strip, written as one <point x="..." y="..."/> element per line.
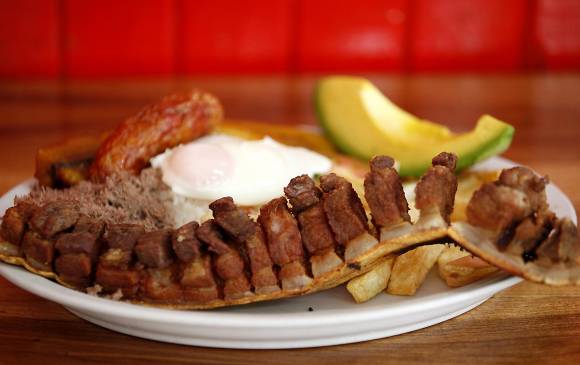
<point x="14" y="224"/>
<point x="384" y="193"/>
<point x="526" y="181"/>
<point x="314" y="229"/>
<point x="510" y="227"/>
<point x="242" y="229"/>
<point x="153" y="249"/>
<point x="137" y="268"/>
<point x="284" y="243"/>
<point x="346" y="217"/>
<point x="185" y="244"/>
<point x="232" y="219"/>
<point x="229" y="264"/>
<point x="264" y="278"/>
<point x="307" y="207"/>
<point x="496" y="207"/>
<point x="343" y="208"/>
<point x="282" y="234"/>
<point x="435" y="191"/>
<point x="302" y="193"/>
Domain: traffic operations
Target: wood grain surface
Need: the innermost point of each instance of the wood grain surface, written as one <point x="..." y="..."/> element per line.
<point x="527" y="324"/>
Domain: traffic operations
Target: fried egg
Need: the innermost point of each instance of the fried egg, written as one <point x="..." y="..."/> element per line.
<point x="251" y="172"/>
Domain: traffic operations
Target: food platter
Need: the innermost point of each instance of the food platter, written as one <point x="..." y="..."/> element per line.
<point x="326" y="318"/>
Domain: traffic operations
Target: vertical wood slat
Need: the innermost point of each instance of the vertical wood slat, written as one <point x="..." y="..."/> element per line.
<point x="29" y="39"/>
<point x="119" y="38"/>
<point x="223" y="36"/>
<point x="555" y="34"/>
<point x="475" y="35"/>
<point x="162" y="37"/>
<point x="350" y="35"/>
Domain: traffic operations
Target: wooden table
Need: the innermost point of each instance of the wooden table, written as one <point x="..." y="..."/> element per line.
<point x="528" y="323"/>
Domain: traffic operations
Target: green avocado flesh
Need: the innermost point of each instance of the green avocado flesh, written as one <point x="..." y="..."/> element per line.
<point x="362" y="122"/>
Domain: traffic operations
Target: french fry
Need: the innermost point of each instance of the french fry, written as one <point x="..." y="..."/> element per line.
<point x="367" y="286"/>
<point x="411" y="268"/>
<point x="458" y="267"/>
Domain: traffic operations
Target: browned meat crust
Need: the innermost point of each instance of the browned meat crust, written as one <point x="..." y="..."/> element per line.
<point x="197" y="273"/>
<point x="562" y="245"/>
<point x="282" y="232"/>
<point x="496" y="207"/>
<point x="302" y="193"/>
<point x="123" y="236"/>
<point x="153" y="249"/>
<point x="243" y="230"/>
<point x="229" y="264"/>
<point x="232" y="219"/>
<point x="437" y="187"/>
<point x="185" y="243"/>
<point x="515" y="210"/>
<point x="14" y="222"/>
<point x="54" y="217"/>
<point x="343" y="208"/>
<point x="530" y="233"/>
<point x="210" y="233"/>
<point x="307" y="207"/>
<point x="384" y="193"/>
<point x="529" y="183"/>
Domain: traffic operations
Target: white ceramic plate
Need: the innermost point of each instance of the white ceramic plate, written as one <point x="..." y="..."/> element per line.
<point x="326" y="318"/>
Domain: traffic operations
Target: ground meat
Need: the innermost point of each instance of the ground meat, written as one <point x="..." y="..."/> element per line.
<point x="154" y="249"/>
<point x="496" y="208"/>
<point x="209" y="232"/>
<point x="232" y="219"/>
<point x="54" y="217"/>
<point x="343" y="208"/>
<point x="123" y="236"/>
<point x="302" y="193"/>
<point x="307" y="207"/>
<point x="185" y="243"/>
<point x="384" y="193"/>
<point x="125" y="198"/>
<point x="282" y="232"/>
<point x="437" y="187"/>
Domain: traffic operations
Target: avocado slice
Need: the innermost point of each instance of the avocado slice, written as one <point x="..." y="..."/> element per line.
<point x="362" y="122"/>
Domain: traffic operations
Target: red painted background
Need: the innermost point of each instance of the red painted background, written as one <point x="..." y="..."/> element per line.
<point x="111" y="38"/>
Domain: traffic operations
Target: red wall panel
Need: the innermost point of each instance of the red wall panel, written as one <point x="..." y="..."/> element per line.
<point x="556" y="34"/>
<point x="351" y="35"/>
<point x="119" y="38"/>
<point x="221" y="36"/>
<point x="29" y="38"/>
<point x="476" y="35"/>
